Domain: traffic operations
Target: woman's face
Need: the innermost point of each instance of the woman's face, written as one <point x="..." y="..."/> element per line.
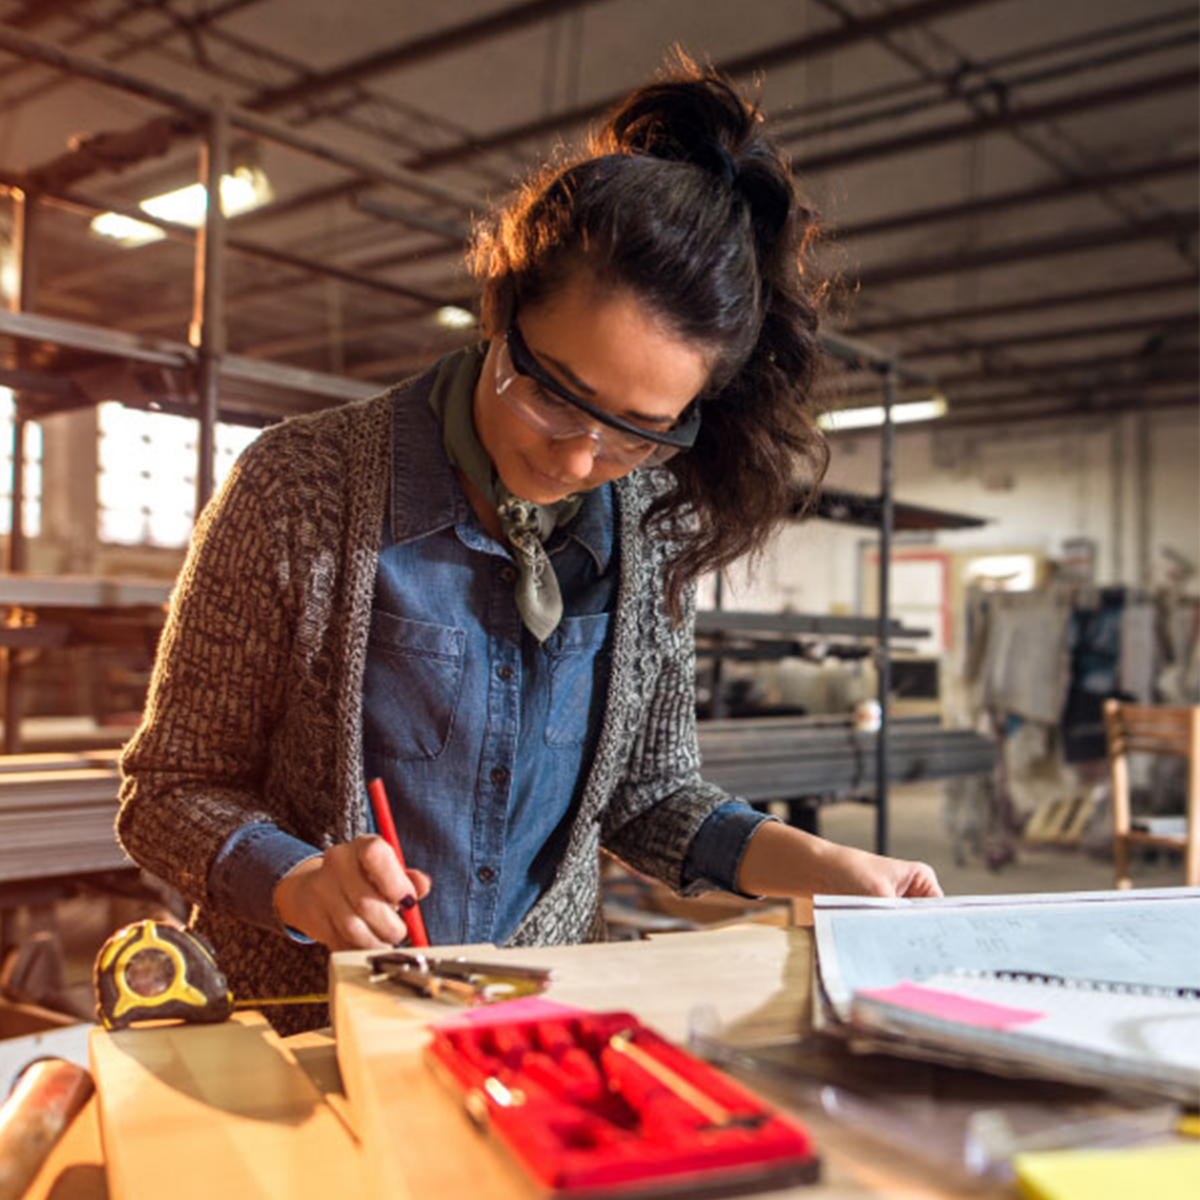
<point x="605" y="346"/>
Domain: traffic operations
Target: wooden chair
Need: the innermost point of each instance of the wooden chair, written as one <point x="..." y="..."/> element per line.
<point x="1153" y="729"/>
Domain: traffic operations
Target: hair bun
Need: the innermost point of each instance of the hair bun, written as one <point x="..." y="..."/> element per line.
<point x="770" y="197"/>
<point x="715" y="159"/>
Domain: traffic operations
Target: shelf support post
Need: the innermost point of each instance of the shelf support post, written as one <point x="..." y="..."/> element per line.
<point x="16" y="557"/>
<point x="207" y="332"/>
<point x="887" y="480"/>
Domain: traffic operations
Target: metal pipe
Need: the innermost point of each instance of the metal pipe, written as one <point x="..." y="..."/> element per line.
<point x="887" y="485"/>
<point x="208" y="322"/>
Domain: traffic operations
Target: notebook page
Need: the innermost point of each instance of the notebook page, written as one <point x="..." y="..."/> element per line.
<point x="1114" y="1034"/>
<point x="1127" y="939"/>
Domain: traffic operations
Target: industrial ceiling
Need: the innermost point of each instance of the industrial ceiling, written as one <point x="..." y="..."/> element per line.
<point x="1008" y="188"/>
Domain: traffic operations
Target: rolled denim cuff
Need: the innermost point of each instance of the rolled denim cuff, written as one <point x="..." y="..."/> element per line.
<point x="715" y="855"/>
<point x="244" y="875"/>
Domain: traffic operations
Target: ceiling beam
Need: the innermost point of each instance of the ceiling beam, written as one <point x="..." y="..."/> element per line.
<point x="37" y="12"/>
<point x="182" y="233"/>
<point x="968" y="403"/>
<point x="189" y="26"/>
<point x="1061" y="189"/>
<point x="1079" y="408"/>
<point x="418" y="50"/>
<point x="1182" y="225"/>
<point x="808" y="47"/>
<point x="1150" y="367"/>
<point x="198" y="112"/>
<point x="1013" y="308"/>
<point x="1160" y="323"/>
<point x="1008" y="118"/>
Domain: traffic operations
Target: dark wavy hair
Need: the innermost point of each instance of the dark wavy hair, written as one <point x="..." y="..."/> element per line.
<point x="683" y="200"/>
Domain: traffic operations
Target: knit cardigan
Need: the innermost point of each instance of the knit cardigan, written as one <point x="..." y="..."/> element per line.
<point x="254" y="709"/>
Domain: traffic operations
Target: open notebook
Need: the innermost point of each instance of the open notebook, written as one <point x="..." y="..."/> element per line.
<point x="1098" y="987"/>
<point x="1146" y="1041"/>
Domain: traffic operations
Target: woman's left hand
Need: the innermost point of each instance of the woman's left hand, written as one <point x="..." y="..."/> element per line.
<point x="860" y="873"/>
<point x="783" y="861"/>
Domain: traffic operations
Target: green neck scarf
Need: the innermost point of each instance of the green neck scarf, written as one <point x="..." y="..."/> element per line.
<point x="525" y="525"/>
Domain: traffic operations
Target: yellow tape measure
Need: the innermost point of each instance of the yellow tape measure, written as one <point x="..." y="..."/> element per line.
<point x="151" y="971"/>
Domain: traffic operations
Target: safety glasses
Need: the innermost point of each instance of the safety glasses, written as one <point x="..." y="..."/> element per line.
<point x="538" y="399"/>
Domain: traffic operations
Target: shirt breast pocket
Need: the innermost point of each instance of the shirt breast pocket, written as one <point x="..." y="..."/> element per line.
<point x="411" y="687"/>
<point x="577" y="656"/>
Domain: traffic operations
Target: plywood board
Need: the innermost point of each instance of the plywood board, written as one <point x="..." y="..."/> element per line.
<point x="219" y="1111"/>
<point x="400" y="1110"/>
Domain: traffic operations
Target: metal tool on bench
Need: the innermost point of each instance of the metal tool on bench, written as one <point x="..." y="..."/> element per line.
<point x="153" y="971"/>
<point x="458" y="980"/>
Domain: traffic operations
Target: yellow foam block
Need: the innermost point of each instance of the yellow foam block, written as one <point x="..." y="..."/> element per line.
<point x="1165" y="1172"/>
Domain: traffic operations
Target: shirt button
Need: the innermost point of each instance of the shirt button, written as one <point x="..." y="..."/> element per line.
<point x="508" y="575"/>
<point x="499" y="775"/>
<point x="505" y="673"/>
<point x="485" y="874"/>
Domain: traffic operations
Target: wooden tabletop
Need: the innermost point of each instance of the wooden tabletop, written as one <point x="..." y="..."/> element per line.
<point x="410" y="1137"/>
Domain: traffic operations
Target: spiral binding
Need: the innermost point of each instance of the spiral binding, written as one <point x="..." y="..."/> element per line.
<point x="1088" y="985"/>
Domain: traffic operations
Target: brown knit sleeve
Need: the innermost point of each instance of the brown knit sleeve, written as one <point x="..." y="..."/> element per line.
<point x="660" y="800"/>
<point x="193" y="772"/>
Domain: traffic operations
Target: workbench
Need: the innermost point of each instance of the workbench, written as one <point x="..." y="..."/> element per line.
<point x="755" y="980"/>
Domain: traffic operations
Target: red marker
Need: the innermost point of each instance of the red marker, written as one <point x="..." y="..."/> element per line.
<point x="387" y="830"/>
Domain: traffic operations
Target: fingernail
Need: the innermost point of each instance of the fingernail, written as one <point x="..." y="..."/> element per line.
<point x="407" y="903"/>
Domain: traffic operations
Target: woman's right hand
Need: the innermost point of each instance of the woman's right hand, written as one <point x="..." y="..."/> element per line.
<point x="348" y="897"/>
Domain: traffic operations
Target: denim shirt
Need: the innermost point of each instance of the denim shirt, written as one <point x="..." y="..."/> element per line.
<point x="481" y="736"/>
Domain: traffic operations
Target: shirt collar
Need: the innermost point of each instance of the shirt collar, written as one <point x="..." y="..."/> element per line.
<point x="426" y="495"/>
<point x="592" y="528"/>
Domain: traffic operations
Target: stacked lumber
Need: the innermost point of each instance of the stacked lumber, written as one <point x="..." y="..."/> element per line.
<point x="783" y="758"/>
<point x="56" y="815"/>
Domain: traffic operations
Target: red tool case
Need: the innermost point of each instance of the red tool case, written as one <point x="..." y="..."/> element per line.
<point x="592" y="1105"/>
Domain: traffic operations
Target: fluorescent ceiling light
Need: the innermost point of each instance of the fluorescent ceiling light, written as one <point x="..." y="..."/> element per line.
<point x="452" y="317"/>
<point x="245" y="189"/>
<point x="864" y="418"/>
<point x="125" y="231"/>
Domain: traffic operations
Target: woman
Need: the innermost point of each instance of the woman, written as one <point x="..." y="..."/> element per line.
<point x="479" y="586"/>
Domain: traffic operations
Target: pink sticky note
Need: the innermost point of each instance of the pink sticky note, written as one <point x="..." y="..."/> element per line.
<point x="951" y="1007"/>
<point x="527" y="1008"/>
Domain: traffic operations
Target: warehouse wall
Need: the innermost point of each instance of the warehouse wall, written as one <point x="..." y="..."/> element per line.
<point x="1038" y="485"/>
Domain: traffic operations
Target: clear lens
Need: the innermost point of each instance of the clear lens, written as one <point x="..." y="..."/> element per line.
<point x="556" y="419"/>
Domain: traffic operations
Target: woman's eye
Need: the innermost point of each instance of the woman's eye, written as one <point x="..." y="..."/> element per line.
<point x="548" y="398"/>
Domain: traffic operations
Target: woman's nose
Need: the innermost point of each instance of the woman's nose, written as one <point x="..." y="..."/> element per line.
<point x="576" y="455"/>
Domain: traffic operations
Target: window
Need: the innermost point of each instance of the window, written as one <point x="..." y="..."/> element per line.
<point x="31" y="521"/>
<point x="146" y="486"/>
